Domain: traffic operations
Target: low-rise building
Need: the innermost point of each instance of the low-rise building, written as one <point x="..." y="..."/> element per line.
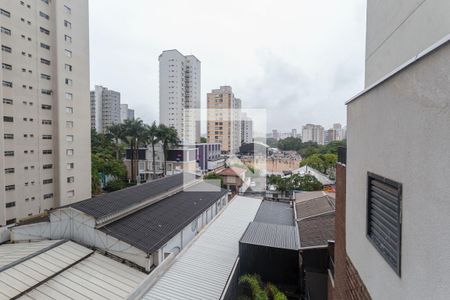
<point x="234" y="179"/>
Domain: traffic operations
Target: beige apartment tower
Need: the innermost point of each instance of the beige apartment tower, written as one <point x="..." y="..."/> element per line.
<point x="45" y="131"/>
<point x="224" y="119"/>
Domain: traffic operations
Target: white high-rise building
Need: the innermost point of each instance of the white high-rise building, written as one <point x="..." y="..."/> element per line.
<point x="179" y="94"/>
<point x="105" y="108"/>
<point x="313" y="133"/>
<point x="45" y="133"/>
<point x="126" y="113"/>
<point x="246" y="129"/>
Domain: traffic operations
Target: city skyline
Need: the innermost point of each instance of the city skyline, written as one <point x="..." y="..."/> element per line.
<point x="263" y="78"/>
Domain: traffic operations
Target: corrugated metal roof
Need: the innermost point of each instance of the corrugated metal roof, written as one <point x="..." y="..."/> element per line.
<point x="272" y="235"/>
<point x="10" y="253"/>
<point x="201" y="271"/>
<point x="151" y="227"/>
<point x="317" y="231"/>
<point x="66" y="271"/>
<point x="111" y="203"/>
<point x="275" y="213"/>
<point x="314" y="207"/>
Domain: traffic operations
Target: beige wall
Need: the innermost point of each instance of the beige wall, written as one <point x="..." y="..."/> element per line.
<point x="28" y="128"/>
<point x="397" y="30"/>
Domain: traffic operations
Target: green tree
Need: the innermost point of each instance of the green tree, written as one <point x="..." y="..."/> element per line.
<point x="169" y="139"/>
<point x="321" y="162"/>
<point x="117" y="132"/>
<point x="290" y="144"/>
<point x="203" y="140"/>
<point x="214" y="176"/>
<point x="152" y="137"/>
<point x="134" y="135"/>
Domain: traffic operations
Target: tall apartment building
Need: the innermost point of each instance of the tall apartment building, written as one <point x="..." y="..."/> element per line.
<point x="105" y="108"/>
<point x="396" y="210"/>
<point x="246" y="129"/>
<point x="179" y="94"/>
<point x="45" y="135"/>
<point x="224" y="123"/>
<point x="126" y="113"/>
<point x="313" y="133"/>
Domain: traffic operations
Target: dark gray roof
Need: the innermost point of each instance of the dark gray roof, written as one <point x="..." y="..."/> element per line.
<point x="271" y="235"/>
<point x="114" y="202"/>
<point x="275" y="213"/>
<point x="151" y="227"/>
<point x="316" y="206"/>
<point x="317" y="231"/>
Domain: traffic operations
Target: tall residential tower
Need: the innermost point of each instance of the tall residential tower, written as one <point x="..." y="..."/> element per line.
<point x="179" y="94"/>
<point x="45" y="135"/>
<point x="105" y="108"/>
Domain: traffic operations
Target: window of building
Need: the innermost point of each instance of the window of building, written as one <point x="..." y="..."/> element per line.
<point x="69" y="96"/>
<point x="69" y="110"/>
<point x="45" y="61"/>
<point x="70" y="166"/>
<point x="68" y="53"/>
<point x="44" y="31"/>
<point x="48" y="196"/>
<point x="8" y="119"/>
<point x="46" y="77"/>
<point x="9" y="153"/>
<point x="68" y="68"/>
<point x="69" y="82"/>
<point x="69" y="152"/>
<point x="6" y="67"/>
<point x="70" y="179"/>
<point x="69" y="138"/>
<point x="44" y="15"/>
<point x="46" y="107"/>
<point x="67" y="24"/>
<point x="46" y="1"/>
<point x="8" y="136"/>
<point x="69" y="124"/>
<point x="46" y="92"/>
<point x="47" y="181"/>
<point x="46" y="137"/>
<point x="6" y="49"/>
<point x="5" y="13"/>
<point x="68" y="39"/>
<point x="70" y="194"/>
<point x="67" y="9"/>
<point x="9" y="171"/>
<point x="46" y="122"/>
<point x="45" y="46"/>
<point x="47" y="167"/>
<point x="11" y="187"/>
<point x="47" y="152"/>
<point x="11" y="221"/>
<point x="10" y="204"/>
<point x="384" y="205"/>
<point x="7" y="83"/>
<point x="5" y="30"/>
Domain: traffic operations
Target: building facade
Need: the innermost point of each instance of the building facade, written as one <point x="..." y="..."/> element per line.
<point x="126" y="113"/>
<point x="105" y="108"/>
<point x="246" y="129"/>
<point x="179" y="94"/>
<point x="45" y="134"/>
<point x="224" y="123"/>
<point x="313" y="133"/>
<point x="397" y="156"/>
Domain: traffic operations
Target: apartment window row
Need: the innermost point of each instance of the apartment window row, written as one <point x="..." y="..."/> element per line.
<point x="44" y="15"/>
<point x="69" y="82"/>
<point x="44" y="31"/>
<point x="8" y="119"/>
<point x="47" y="167"/>
<point x="45" y="61"/>
<point x="67" y="24"/>
<point x="70" y="179"/>
<point x="47" y="181"/>
<point x="6" y="66"/>
<point x="10" y="171"/>
<point x="23" y="4"/>
<point x="8" y="136"/>
<point x="46" y="107"/>
<point x="23" y="20"/>
<point x="24" y="37"/>
<point x="6" y="49"/>
<point x="9" y="153"/>
<point x="47" y="152"/>
<point x="46" y="122"/>
<point x="45" y="76"/>
<point x="46" y="1"/>
<point x="10" y="204"/>
<point x="7" y="83"/>
<point x="5" y="30"/>
<point x="45" y="46"/>
<point x="11" y="187"/>
<point x="48" y="196"/>
<point x="46" y="92"/>
<point x="46" y="137"/>
<point x="5" y="13"/>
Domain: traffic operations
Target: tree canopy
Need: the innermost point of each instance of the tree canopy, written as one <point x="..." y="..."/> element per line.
<point x="295" y="182"/>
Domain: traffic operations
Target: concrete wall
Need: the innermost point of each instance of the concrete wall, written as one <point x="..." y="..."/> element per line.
<point x="401" y="130"/>
<point x="398" y="30"/>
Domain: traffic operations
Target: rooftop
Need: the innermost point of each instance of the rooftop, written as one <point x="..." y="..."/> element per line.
<point x="306" y="170"/>
<point x="112" y="203"/>
<point x="271" y="235"/>
<point x="232" y="171"/>
<point x="275" y="213"/>
<point x="151" y="227"/>
<point x="202" y="270"/>
<point x="64" y="270"/>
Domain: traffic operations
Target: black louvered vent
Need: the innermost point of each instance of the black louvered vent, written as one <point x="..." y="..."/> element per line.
<point x="384" y="218"/>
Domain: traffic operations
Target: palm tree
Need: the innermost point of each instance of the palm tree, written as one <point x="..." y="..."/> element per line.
<point x="152" y="137"/>
<point x="134" y="134"/>
<point x="169" y="138"/>
<point x="117" y="132"/>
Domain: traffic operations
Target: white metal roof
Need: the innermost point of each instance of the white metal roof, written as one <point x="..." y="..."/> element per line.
<point x="201" y="271"/>
<point x="66" y="271"/>
<point x="12" y="252"/>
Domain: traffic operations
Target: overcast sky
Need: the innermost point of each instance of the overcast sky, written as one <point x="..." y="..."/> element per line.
<point x="301" y="60"/>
